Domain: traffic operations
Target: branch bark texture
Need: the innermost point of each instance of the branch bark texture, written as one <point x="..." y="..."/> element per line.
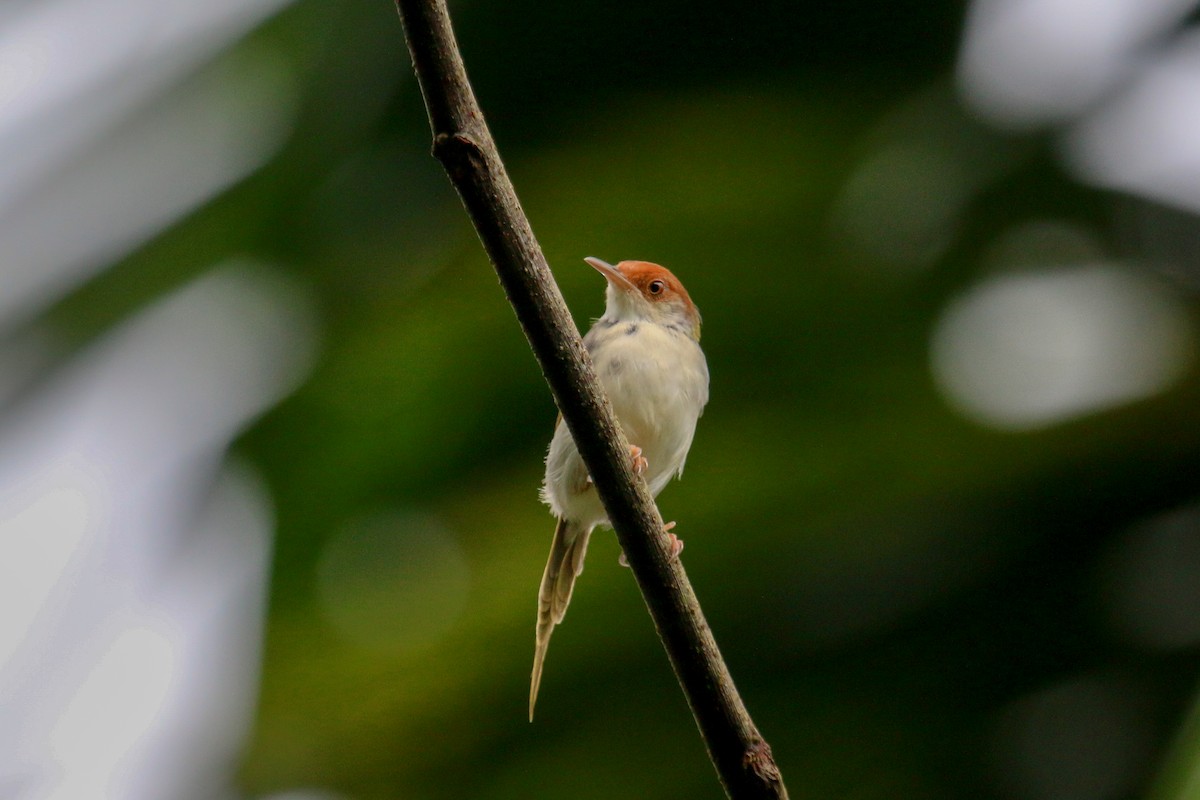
<point x="463" y="144"/>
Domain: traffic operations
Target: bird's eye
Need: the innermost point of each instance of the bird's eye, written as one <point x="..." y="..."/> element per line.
<point x="656" y="287"/>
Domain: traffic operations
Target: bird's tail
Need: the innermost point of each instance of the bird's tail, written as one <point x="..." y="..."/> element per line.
<point x="563" y="566"/>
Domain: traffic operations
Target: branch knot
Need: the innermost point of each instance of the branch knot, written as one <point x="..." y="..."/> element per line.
<point x="759" y="760"/>
<point x="458" y="151"/>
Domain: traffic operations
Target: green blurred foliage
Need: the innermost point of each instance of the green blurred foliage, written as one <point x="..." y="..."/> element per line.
<point x="884" y="576"/>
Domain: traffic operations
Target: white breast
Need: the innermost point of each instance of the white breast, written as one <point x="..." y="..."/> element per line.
<point x="657" y="381"/>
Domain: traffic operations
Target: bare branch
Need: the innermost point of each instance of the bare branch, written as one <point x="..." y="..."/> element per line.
<point x="462" y="142"/>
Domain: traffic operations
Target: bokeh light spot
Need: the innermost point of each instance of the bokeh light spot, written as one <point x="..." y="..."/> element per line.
<point x="118" y="702"/>
<point x="1027" y="350"/>
<point x="1030" y="62"/>
<point x="1144" y="141"/>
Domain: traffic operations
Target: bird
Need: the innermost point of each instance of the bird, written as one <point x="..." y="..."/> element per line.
<point x="646" y="353"/>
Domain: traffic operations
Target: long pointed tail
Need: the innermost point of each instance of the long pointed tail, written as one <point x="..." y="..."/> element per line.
<point x="563" y="566"/>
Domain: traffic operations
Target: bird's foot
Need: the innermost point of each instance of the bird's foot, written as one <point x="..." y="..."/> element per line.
<point x="676" y="542"/>
<point x="639" y="462"/>
<point x="676" y="545"/>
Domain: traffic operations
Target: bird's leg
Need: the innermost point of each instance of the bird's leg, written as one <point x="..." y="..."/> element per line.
<point x="676" y="545"/>
<point x="639" y="462"/>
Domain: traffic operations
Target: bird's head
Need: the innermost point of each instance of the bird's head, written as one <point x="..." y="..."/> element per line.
<point x="639" y="290"/>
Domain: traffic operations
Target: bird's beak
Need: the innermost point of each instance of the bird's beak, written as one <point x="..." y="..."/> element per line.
<point x="610" y="272"/>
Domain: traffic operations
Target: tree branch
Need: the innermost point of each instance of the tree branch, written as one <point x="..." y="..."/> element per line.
<point x="463" y="144"/>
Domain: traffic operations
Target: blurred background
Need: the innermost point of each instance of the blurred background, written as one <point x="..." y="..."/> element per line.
<point x="271" y="438"/>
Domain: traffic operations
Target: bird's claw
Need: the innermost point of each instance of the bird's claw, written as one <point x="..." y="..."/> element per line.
<point x="676" y="545"/>
<point x="639" y="462"/>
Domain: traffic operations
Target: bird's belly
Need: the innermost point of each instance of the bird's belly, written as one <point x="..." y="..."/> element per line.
<point x="657" y="382"/>
<point x="657" y="389"/>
